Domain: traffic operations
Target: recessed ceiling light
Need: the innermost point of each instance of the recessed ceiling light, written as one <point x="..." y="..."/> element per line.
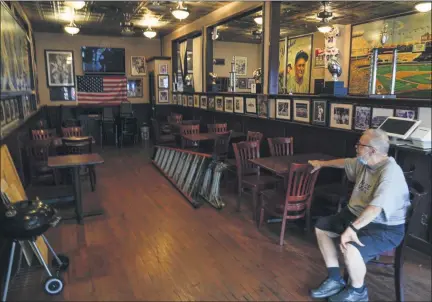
<point x="75" y="4"/>
<point x="258" y="20"/>
<point x="423" y="7"/>
<point x="180" y="12"/>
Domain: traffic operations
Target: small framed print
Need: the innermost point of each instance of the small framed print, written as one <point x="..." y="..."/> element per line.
<point x="190" y="101"/>
<point x="301" y="111"/>
<point x="406" y="113"/>
<point x="379" y="115"/>
<point x="163" y="68"/>
<point x="219" y="104"/>
<point x="174" y="99"/>
<point x="196" y="101"/>
<point x="163" y="97"/>
<point x="362" y="117"/>
<point x="251" y="105"/>
<point x="60" y="68"/>
<point x="163" y="81"/>
<point x="250" y="82"/>
<point x="7" y="110"/>
<point x="211" y="103"/>
<point x="319" y="112"/>
<point x="263" y="106"/>
<point x="242" y="83"/>
<point x="134" y="88"/>
<point x="341" y="116"/>
<point x="229" y="104"/>
<point x="138" y="66"/>
<point x="238" y="104"/>
<point x="283" y="109"/>
<point x="185" y="100"/>
<point x="203" y="102"/>
<point x="2" y="114"/>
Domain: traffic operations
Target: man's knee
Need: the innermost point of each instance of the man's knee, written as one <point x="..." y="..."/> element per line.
<point x="321" y="233"/>
<point x="351" y="253"/>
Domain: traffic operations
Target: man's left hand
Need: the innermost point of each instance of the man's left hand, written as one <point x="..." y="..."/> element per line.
<point x="349" y="236"/>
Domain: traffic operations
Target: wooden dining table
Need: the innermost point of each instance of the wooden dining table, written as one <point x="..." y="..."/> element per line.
<point x="208" y="136"/>
<point x="57" y="141"/>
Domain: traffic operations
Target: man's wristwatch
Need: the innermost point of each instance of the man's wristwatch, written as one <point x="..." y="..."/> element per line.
<point x="353" y="227"/>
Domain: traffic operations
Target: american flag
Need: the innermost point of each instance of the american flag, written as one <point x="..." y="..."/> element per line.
<point x="99" y="89"/>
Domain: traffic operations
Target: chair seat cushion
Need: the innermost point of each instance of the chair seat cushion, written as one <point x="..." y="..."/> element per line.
<point x="259" y="180"/>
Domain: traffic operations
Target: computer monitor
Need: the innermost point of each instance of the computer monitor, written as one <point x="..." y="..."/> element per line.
<point x="399" y="127"/>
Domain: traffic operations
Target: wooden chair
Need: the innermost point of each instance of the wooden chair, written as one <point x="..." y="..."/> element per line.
<point x="189" y="129"/>
<point x="248" y="174"/>
<point x="159" y="138"/>
<point x="221" y="146"/>
<point x="72" y="132"/>
<point x="217" y="128"/>
<point x="254" y="136"/>
<point x="81" y="146"/>
<point x="414" y="221"/>
<point x="191" y="122"/>
<point x="293" y="204"/>
<point x="281" y="146"/>
<point x="38" y="152"/>
<point x="175" y="118"/>
<point x="108" y="124"/>
<point x="43" y="134"/>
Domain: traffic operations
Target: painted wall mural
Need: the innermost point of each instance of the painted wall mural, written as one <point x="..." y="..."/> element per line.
<point x="411" y="34"/>
<point x="15" y="67"/>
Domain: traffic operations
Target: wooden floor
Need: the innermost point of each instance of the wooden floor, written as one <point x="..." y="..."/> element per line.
<point x="152" y="245"/>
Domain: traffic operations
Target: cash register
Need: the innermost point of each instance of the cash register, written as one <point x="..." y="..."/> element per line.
<point x="406" y="132"/>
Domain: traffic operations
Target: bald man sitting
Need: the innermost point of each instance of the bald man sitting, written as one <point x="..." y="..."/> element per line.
<point x="372" y="223"/>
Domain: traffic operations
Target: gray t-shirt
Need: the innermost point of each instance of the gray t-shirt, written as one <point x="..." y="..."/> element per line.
<point x="382" y="185"/>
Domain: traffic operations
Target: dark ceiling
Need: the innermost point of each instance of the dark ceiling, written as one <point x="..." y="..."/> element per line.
<point x="104" y="17"/>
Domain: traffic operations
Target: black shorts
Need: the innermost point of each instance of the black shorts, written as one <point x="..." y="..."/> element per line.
<point x="376" y="237"/>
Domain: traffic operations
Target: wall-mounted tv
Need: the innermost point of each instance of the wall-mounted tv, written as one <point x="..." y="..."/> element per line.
<point x="103" y="60"/>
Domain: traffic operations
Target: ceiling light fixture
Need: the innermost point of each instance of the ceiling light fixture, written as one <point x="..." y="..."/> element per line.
<point x="75" y="4"/>
<point x="149" y="33"/>
<point x="325" y="29"/>
<point x="180" y="12"/>
<point x="72" y="29"/>
<point x="423" y="7"/>
<point x="258" y="20"/>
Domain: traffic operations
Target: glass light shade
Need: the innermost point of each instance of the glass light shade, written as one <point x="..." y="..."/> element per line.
<point x="149" y="33"/>
<point x="423" y="7"/>
<point x="324" y="29"/>
<point x="75" y="4"/>
<point x="258" y="20"/>
<point x="71" y="29"/>
<point x="180" y="13"/>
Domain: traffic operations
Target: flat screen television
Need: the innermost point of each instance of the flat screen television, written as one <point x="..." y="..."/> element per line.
<point x="103" y="60"/>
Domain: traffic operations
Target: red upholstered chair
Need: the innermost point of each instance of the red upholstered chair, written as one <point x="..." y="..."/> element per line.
<point x="189" y="129"/>
<point x="248" y="174"/>
<point x="254" y="136"/>
<point x="217" y="128"/>
<point x="72" y="131"/>
<point x="43" y="134"/>
<point x="281" y="146"/>
<point x="293" y="204"/>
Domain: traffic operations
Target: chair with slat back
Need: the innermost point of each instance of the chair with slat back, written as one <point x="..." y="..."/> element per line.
<point x="221" y="146"/>
<point x="176" y="117"/>
<point x="38" y="152"/>
<point x="72" y="131"/>
<point x="81" y="146"/>
<point x="217" y="128"/>
<point x="186" y="130"/>
<point x="254" y="136"/>
<point x="108" y="125"/>
<point x="126" y="109"/>
<point x="159" y="138"/>
<point x="281" y="146"/>
<point x="248" y="174"/>
<point x="191" y="122"/>
<point x="293" y="204"/>
<point x="43" y="134"/>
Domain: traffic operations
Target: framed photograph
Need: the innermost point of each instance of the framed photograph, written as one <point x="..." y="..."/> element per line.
<point x="185" y="100"/>
<point x="196" y="101"/>
<point x="174" y="99"/>
<point x="379" y="115"/>
<point x="179" y="99"/>
<point x="238" y="104"/>
<point x="135" y="88"/>
<point x="190" y="101"/>
<point x="189" y="61"/>
<point x="163" y="81"/>
<point x="251" y="105"/>
<point x="163" y="68"/>
<point x="8" y="111"/>
<point x="298" y="65"/>
<point x="203" y="102"/>
<point x="341" y="116"/>
<point x="229" y="104"/>
<point x="319" y="112"/>
<point x="242" y="83"/>
<point x="406" y="113"/>
<point x="14" y="107"/>
<point x="240" y="65"/>
<point x="283" y="109"/>
<point x="362" y="117"/>
<point x="211" y="103"/>
<point x="60" y="68"/>
<point x="163" y="96"/>
<point x="263" y="106"/>
<point x="250" y="82"/>
<point x="62" y="94"/>
<point x="138" y="66"/>
<point x="2" y="114"/>
<point x="219" y="104"/>
<point x="301" y="111"/>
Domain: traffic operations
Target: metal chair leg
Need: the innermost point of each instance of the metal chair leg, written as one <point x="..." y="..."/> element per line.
<point x="9" y="272"/>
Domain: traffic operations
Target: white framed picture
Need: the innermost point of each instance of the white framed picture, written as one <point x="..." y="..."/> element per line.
<point x="406" y="113"/>
<point x="301" y="111"/>
<point x="219" y="104"/>
<point x="240" y="65"/>
<point x="229" y="104"/>
<point x="60" y="68"/>
<point x="211" y="103"/>
<point x="251" y="105"/>
<point x="379" y="115"/>
<point x="319" y="112"/>
<point x="362" y="117"/>
<point x="190" y="101"/>
<point x="163" y="68"/>
<point x="341" y="116"/>
<point x="174" y="99"/>
<point x="238" y="104"/>
<point x="163" y="96"/>
<point x="185" y="100"/>
<point x="263" y="106"/>
<point x="138" y="66"/>
<point x="203" y="102"/>
<point x="283" y="109"/>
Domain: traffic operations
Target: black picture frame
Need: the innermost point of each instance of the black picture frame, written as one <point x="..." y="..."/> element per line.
<point x="251" y="105"/>
<point x="135" y="88"/>
<point x="279" y="101"/>
<point x="362" y="123"/>
<point x="211" y="103"/>
<point x="263" y="106"/>
<point x="163" y="96"/>
<point x="62" y="94"/>
<point x="319" y="112"/>
<point x="242" y="83"/>
<point x="57" y="79"/>
<point x="164" y="80"/>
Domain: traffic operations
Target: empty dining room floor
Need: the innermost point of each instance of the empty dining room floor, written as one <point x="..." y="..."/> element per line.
<point x="152" y="245"/>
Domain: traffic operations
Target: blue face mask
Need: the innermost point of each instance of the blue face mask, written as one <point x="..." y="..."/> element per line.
<point x="361" y="160"/>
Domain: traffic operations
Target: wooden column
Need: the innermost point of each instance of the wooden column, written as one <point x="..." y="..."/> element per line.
<point x="271" y="46"/>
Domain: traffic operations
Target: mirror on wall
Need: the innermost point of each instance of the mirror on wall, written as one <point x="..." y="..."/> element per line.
<point x="236" y="45"/>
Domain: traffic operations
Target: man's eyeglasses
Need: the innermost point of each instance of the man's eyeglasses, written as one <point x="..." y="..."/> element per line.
<point x="358" y="144"/>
